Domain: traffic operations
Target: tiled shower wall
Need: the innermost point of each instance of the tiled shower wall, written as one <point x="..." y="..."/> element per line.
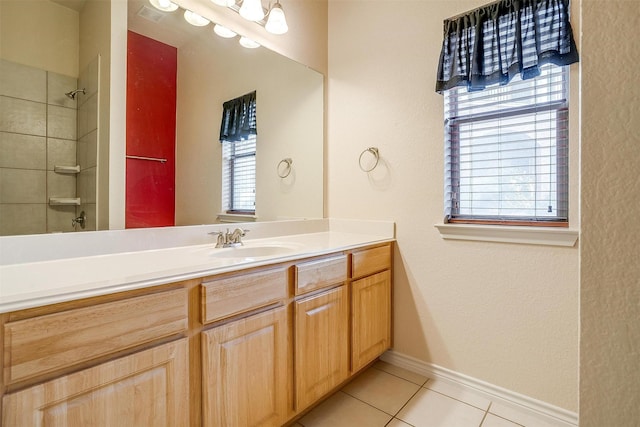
<point x="38" y="131"/>
<point x="87" y="148"/>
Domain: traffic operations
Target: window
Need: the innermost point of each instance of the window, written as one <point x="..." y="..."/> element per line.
<point x="507" y="155"/>
<point x="238" y="131"/>
<point x="503" y="71"/>
<point x="239" y="176"/>
<point x="507" y="151"/>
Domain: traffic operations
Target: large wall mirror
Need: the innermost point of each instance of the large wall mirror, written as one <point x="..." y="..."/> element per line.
<point x="53" y="126"/>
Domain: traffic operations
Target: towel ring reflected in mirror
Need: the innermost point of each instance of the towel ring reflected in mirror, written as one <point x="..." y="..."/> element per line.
<point x="284" y="167"/>
<point x="375" y="153"/>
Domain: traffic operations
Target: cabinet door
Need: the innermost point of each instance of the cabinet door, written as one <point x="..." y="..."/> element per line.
<point x="246" y="371"/>
<point x="321" y="344"/>
<point x="149" y="388"/>
<point x="371" y="318"/>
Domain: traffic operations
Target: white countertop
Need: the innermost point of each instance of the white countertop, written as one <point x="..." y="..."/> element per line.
<point x="40" y="283"/>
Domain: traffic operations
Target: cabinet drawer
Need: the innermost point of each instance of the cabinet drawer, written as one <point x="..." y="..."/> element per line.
<point x="320" y="273"/>
<point x="368" y="261"/>
<point x="47" y="343"/>
<point x="148" y="388"/>
<point x="234" y="295"/>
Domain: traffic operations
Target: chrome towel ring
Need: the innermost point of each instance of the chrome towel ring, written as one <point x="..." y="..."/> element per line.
<point x="284" y="167"/>
<point x="376" y="154"/>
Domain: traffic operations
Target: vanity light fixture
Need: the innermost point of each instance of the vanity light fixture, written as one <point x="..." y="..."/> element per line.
<point x="248" y="43"/>
<point x="223" y="31"/>
<point x="252" y="10"/>
<point x="164" y="5"/>
<point x="277" y="22"/>
<point x="195" y="19"/>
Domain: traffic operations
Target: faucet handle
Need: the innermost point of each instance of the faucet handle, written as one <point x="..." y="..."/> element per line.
<point x="221" y="238"/>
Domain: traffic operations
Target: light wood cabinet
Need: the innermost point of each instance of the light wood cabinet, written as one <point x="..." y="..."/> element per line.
<point x="254" y="347"/>
<point x="43" y="344"/>
<point x="246" y="373"/>
<point x="321" y="344"/>
<point x="320" y="273"/>
<point x="228" y="296"/>
<point x="370" y="318"/>
<point x="148" y="388"/>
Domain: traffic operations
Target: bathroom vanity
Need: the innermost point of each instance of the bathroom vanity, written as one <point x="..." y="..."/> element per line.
<point x="253" y="338"/>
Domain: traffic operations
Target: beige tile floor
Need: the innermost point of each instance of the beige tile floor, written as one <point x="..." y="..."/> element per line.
<point x="386" y="395"/>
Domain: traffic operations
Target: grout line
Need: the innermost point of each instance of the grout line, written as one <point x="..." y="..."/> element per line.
<point x="366" y="403"/>
<point x="458" y="400"/>
<point x="484" y="417"/>
<point x="402" y="421"/>
<point x="398" y="376"/>
<point x="408" y="400"/>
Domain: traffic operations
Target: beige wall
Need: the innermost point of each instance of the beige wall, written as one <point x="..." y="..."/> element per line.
<point x="289" y="111"/>
<point x="503" y="313"/>
<point x="610" y="242"/>
<point x="41" y="34"/>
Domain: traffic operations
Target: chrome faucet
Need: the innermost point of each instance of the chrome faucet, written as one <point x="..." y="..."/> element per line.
<point x="227" y="240"/>
<point x="82" y="219"/>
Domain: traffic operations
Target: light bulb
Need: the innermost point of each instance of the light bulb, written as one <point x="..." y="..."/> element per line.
<point x="195" y="19"/>
<point x="251" y="10"/>
<point x="276" y="23"/>
<point x="225" y="3"/>
<point x="248" y="43"/>
<point x="223" y="31"/>
<point x="164" y="5"/>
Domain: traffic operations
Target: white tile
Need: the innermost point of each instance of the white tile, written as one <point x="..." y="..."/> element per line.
<point x="401" y="372"/>
<point x="495" y="421"/>
<point x="60" y="185"/>
<point x="89" y="80"/>
<point x="23" y="186"/>
<point x="21" y="81"/>
<point x="60" y="152"/>
<point x="61" y="122"/>
<point x="57" y="87"/>
<point x="381" y="390"/>
<point x="458" y="392"/>
<point x="86" y="185"/>
<point x="59" y="218"/>
<point x="397" y="423"/>
<point x="26" y="117"/>
<point x="22" y="151"/>
<point x="431" y="409"/>
<point x="342" y="410"/>
<point x="88" y="116"/>
<point x="91" y="107"/>
<point x="525" y="417"/>
<point x="18" y="219"/>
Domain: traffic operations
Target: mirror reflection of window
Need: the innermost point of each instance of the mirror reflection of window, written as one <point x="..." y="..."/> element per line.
<point x="238" y="134"/>
<point x="239" y="176"/>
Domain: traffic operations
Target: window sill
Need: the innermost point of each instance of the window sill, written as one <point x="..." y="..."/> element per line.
<point x="225" y="217"/>
<point x="550" y="236"/>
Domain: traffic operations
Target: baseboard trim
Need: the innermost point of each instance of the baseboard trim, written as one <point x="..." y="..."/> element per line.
<point x="494" y="392"/>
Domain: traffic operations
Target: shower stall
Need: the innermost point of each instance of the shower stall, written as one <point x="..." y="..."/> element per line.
<point x="48" y="149"/>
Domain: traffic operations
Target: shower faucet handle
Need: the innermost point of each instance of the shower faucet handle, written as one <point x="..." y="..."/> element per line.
<point x="82" y="220"/>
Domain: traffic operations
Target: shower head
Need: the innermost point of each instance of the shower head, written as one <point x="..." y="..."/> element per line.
<point x="73" y="93"/>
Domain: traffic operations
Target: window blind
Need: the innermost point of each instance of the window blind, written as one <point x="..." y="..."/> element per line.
<point x="507" y="150"/>
<point x="239" y="175"/>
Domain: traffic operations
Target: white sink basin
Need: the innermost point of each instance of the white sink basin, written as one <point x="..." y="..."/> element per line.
<point x="261" y="251"/>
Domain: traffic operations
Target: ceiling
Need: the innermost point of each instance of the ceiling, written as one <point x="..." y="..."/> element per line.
<point x="76" y="5"/>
